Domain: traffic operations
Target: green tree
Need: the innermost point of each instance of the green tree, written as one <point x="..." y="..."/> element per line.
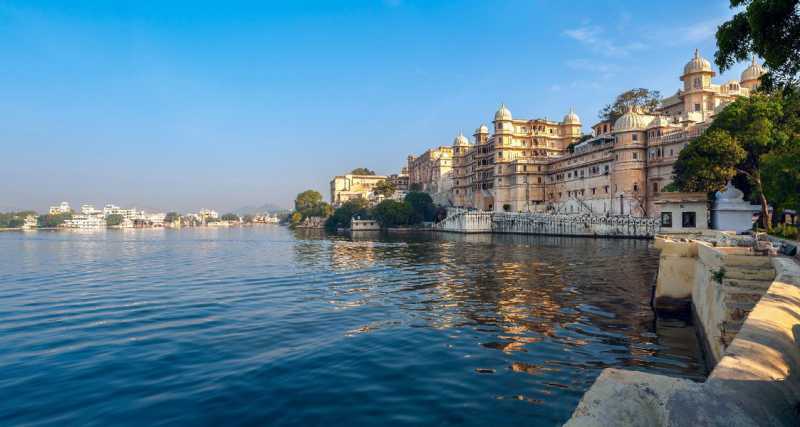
<point x="735" y="143"/>
<point x="171" y="217"/>
<point x="114" y="219"/>
<point x="645" y="99"/>
<point x="342" y="216"/>
<point x="14" y="219"/>
<point x="384" y="188"/>
<point x="362" y="171"/>
<point x="53" y="220"/>
<point x="307" y="201"/>
<point x="230" y="217"/>
<point x="422" y="207"/>
<point x="248" y="219"/>
<point x="781" y="176"/>
<point x="391" y="213"/>
<point x="769" y="29"/>
<point x="708" y="162"/>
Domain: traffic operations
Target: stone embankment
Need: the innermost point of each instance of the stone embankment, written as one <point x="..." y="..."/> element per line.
<point x="747" y="308"/>
<point x="461" y="221"/>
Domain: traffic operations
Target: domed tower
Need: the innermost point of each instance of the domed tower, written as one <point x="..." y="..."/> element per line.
<point x="629" y="174"/>
<point x="460" y="144"/>
<point x="698" y="98"/>
<point x="751" y="76"/>
<point x="481" y="134"/>
<point x="503" y="127"/>
<point x="572" y="124"/>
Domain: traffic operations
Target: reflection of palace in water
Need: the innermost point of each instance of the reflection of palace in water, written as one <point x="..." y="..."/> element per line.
<point x="523" y="289"/>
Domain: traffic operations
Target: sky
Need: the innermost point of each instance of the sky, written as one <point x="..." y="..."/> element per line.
<point x="179" y="105"/>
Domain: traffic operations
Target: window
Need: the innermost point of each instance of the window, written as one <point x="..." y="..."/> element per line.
<point x="696" y="107"/>
<point x="697" y="84"/>
<point x="666" y="219"/>
<point x="539" y="179"/>
<point x="635" y="137"/>
<point x="689" y="219"/>
<point x="655" y="187"/>
<point x="635" y="188"/>
<point x="635" y="156"/>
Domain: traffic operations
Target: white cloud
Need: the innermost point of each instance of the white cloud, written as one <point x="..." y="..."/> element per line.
<point x="595" y="38"/>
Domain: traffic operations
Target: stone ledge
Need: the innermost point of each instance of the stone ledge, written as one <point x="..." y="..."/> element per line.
<point x="757" y="381"/>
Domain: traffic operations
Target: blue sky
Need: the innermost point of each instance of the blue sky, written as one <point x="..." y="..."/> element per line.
<point x="182" y="105"/>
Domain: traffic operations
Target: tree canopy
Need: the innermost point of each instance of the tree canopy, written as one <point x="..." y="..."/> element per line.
<point x="391" y="213"/>
<point x="342" y="216"/>
<point x="172" y="217"/>
<point x="231" y="217"/>
<point x="53" y="220"/>
<point x="422" y="207"/>
<point x="114" y="219"/>
<point x="645" y="99"/>
<point x="14" y="219"/>
<point x="362" y="171"/>
<point x="309" y="203"/>
<point x="769" y="29"/>
<point x="748" y="135"/>
<point x="384" y="188"/>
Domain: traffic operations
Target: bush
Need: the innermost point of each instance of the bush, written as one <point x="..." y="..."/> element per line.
<point x="787" y="231"/>
<point x="114" y="219"/>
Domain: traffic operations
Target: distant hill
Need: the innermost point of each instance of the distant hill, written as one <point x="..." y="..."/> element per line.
<point x="266" y="207"/>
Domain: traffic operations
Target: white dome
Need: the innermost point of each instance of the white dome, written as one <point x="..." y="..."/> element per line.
<point x="460" y="140"/>
<point x="571" y="118"/>
<point x="482" y="129"/>
<point x="697" y="64"/>
<point x="753" y="72"/>
<point x="659" y="122"/>
<point x="632" y="121"/>
<point x="502" y="113"/>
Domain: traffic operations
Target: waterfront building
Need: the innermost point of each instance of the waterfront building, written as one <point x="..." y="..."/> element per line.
<point x="87" y="209"/>
<point x="349" y="187"/>
<point x="205" y="214"/>
<point x="60" y="209"/>
<point x="85" y="221"/>
<point x="30" y="222"/>
<point x="540" y="165"/>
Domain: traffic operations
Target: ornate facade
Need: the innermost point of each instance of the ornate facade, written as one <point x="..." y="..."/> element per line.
<point x="526" y="164"/>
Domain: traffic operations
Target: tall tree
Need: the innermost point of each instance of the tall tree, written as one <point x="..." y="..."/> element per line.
<point x="769" y="29"/>
<point x="645" y="99"/>
<point x="422" y="207"/>
<point x="307" y="201"/>
<point x="741" y="136"/>
<point x="390" y="213"/>
<point x="384" y="188"/>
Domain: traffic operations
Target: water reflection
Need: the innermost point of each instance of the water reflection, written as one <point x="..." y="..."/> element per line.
<point x="261" y="325"/>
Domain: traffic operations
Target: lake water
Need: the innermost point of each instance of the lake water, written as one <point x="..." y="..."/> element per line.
<point x="263" y="326"/>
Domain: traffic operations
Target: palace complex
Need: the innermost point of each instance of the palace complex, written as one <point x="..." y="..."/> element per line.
<point x="526" y="165"/>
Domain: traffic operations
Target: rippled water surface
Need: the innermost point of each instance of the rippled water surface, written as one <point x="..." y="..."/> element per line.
<point x="262" y="326"/>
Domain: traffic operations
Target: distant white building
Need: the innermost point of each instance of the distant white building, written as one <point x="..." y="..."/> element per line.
<point x="90" y="210"/>
<point x="157" y="219"/>
<point x="60" y="209"/>
<point x="30" y="222"/>
<point x="205" y="214"/>
<point x="85" y="221"/>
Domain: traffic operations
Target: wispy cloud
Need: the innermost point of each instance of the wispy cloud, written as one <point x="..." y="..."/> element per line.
<point x="603" y="69"/>
<point x="596" y="39"/>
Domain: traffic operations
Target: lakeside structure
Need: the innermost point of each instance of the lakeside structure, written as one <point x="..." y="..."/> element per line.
<point x="90" y="217"/>
<point x="525" y="165"/>
<point x="349" y="186"/>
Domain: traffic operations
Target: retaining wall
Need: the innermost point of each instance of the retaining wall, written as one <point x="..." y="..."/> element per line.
<point x="460" y="221"/>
